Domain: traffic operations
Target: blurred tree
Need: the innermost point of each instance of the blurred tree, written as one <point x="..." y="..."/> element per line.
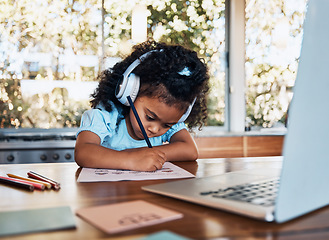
<point x="12" y="106"/>
<point x="273" y="40"/>
<point x="61" y="26"/>
<point x="48" y="27"/>
<point x="75" y="27"/>
<point x="269" y="94"/>
<point x="59" y="110"/>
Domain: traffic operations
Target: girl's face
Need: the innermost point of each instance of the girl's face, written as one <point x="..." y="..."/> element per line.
<point x="157" y="117"/>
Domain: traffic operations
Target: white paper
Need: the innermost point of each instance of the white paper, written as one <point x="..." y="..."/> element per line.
<point x="168" y="171"/>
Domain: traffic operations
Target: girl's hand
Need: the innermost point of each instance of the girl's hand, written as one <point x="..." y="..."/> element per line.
<point x="145" y="159"/>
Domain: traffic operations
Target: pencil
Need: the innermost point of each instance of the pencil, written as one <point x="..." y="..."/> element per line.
<point x="37" y="176"/>
<point x="139" y="122"/>
<point x="13" y="183"/>
<point x="36" y="185"/>
<point x="47" y="185"/>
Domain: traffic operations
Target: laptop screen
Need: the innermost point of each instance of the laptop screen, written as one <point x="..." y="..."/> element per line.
<point x="305" y="175"/>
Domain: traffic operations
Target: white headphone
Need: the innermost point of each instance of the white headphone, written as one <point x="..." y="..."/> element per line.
<point x="130" y="83"/>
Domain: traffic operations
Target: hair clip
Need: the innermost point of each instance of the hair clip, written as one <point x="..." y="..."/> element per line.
<point x="185" y="72"/>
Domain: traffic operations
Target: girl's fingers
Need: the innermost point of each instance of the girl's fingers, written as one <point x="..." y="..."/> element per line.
<point x="158" y="165"/>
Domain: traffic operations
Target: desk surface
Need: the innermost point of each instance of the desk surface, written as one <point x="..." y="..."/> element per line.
<point x="198" y="222"/>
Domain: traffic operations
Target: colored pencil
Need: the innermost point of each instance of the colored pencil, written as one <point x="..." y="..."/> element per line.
<point x="36" y="185"/>
<point x="37" y="176"/>
<point x="139" y="122"/>
<point x="15" y="183"/>
<point x="47" y="185"/>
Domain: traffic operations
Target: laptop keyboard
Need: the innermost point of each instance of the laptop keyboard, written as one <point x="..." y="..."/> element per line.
<point x="260" y="193"/>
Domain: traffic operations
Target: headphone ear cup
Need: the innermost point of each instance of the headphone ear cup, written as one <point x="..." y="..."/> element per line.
<point x="131" y="89"/>
<point x="135" y="80"/>
<point x="129" y="86"/>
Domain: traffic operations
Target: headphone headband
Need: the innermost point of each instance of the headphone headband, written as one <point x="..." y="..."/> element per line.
<point x="136" y="63"/>
<point x="188" y="111"/>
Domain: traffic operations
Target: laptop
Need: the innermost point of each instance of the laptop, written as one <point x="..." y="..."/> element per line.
<point x="301" y="186"/>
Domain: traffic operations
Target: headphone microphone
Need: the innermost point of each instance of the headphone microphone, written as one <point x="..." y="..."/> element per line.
<point x="130" y="83"/>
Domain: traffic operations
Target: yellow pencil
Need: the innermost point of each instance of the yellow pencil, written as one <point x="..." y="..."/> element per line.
<point x="47" y="185"/>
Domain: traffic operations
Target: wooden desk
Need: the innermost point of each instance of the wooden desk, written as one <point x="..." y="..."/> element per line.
<point x="198" y="222"/>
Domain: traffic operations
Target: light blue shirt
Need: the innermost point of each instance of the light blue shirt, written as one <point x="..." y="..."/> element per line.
<point x="104" y="124"/>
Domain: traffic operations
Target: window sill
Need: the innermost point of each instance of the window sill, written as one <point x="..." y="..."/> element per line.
<point x="210" y="131"/>
<point x="214" y="143"/>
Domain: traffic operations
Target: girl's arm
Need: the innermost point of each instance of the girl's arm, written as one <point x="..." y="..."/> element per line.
<point x="89" y="153"/>
<point x="182" y="147"/>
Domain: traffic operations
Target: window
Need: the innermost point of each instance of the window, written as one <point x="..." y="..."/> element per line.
<point x="49" y="61"/>
<point x="273" y="42"/>
<point x="46" y="58"/>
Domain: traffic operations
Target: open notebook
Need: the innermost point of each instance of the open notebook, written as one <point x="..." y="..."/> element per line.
<point x="301" y="185"/>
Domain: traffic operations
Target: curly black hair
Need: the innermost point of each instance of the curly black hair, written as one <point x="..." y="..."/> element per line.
<point x="161" y="76"/>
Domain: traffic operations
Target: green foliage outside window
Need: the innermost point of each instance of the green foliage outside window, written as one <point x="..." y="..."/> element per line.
<point x="76" y="25"/>
<point x="273" y="40"/>
<point x="11" y="104"/>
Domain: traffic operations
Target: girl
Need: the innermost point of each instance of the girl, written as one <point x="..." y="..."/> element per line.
<point x="168" y="84"/>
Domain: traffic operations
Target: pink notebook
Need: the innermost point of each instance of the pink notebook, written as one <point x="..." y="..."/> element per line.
<point x="114" y="218"/>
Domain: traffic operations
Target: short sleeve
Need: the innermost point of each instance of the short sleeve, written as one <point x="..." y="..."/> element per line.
<point x="174" y="129"/>
<point x="97" y="121"/>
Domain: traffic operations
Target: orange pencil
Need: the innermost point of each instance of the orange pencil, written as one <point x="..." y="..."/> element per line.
<point x="36" y="185"/>
<point x="47" y="185"/>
